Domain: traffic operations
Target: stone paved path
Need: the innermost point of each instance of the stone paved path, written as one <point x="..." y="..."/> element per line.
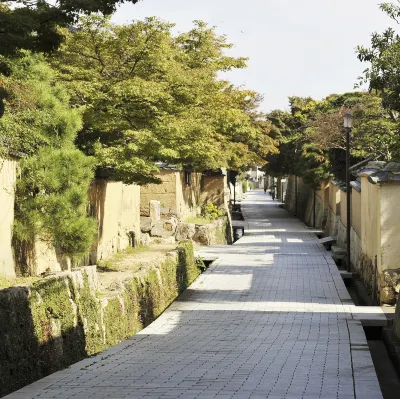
<point x="270" y="319"/>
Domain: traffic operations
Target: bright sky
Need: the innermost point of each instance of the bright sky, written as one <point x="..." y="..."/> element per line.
<point x="295" y="47"/>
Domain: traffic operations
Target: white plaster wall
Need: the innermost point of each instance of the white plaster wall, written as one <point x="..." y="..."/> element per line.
<point x="8" y="175"/>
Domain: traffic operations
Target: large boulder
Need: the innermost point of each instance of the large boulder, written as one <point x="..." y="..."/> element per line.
<point x="164" y="228"/>
<point x="185" y="231"/>
<point x="146" y="224"/>
<point x="390" y="286"/>
<point x="203" y="234"/>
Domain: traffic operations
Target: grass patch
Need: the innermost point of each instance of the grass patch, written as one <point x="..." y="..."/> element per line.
<point x="6" y="282"/>
<point x="198" y="220"/>
<point x="111" y="264"/>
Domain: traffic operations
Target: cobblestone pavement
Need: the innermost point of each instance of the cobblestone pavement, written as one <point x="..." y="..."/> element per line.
<point x="270" y="319"/>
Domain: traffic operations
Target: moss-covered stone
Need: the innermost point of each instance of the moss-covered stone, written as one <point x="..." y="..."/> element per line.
<point x="59" y="320"/>
<point x="89" y="316"/>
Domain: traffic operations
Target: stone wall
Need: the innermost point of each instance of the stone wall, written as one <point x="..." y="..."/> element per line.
<point x="188" y="196"/>
<point x="214" y="190"/>
<point x="175" y="195"/>
<point x="60" y="320"/>
<point x="8" y="175"/>
<point x="116" y="206"/>
<point x="164" y="192"/>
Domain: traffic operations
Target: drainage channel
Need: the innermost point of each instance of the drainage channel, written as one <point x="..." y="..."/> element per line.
<point x="377" y="337"/>
<point x="238" y="231"/>
<point x="388" y="375"/>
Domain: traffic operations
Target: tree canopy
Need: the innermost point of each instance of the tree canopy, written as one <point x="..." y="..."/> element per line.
<point x="150" y="96"/>
<point x="384" y="59"/>
<point x="312" y="136"/>
<point x="33" y="24"/>
<point x="51" y="193"/>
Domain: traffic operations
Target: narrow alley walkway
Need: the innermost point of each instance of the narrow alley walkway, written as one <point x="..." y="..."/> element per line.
<point x="270" y="319"/>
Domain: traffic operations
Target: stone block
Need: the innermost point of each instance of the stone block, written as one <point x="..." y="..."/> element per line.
<point x="370" y="316"/>
<point x="163" y="240"/>
<point x="146" y="224"/>
<point x="145" y="239"/>
<point x="164" y="228"/>
<point x="327" y="240"/>
<point x="338" y="252"/>
<point x="155" y="210"/>
<point x="185" y="231"/>
<point x="203" y="234"/>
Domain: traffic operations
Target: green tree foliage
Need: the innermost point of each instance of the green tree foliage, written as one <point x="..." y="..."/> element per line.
<point x="374" y="132"/>
<point x="312" y="136"/>
<point x="149" y="96"/>
<point x="51" y="193"/>
<point x="33" y="24"/>
<point x="52" y="198"/>
<point x="384" y="59"/>
<point x="37" y="107"/>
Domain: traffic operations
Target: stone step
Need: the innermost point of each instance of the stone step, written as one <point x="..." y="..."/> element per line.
<point x="327" y="240"/>
<point x="370" y="316"/>
<point x="346" y="275"/>
<point x="338" y="252"/>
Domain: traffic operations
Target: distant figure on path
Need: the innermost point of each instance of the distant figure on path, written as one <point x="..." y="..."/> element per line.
<point x="273" y="195"/>
<point x="265" y="189"/>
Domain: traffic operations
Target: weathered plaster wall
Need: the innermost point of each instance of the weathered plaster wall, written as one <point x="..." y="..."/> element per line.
<point x="116" y="206"/>
<point x="319" y="210"/>
<point x="188" y="196"/>
<point x="356" y="211"/>
<point x="333" y="218"/>
<point x="389" y="226"/>
<point x="334" y="199"/>
<point x="343" y="207"/>
<point x="214" y="189"/>
<point x="342" y="219"/>
<point x="355" y="253"/>
<point x="341" y="236"/>
<point x="175" y="195"/>
<point x="370" y="220"/>
<point x="8" y="176"/>
<point x="44" y="258"/>
<point x="166" y="192"/>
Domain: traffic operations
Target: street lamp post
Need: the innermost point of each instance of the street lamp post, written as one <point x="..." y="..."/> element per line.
<point x="347" y="125"/>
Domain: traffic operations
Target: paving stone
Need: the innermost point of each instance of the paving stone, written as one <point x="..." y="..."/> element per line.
<point x="271" y="318"/>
